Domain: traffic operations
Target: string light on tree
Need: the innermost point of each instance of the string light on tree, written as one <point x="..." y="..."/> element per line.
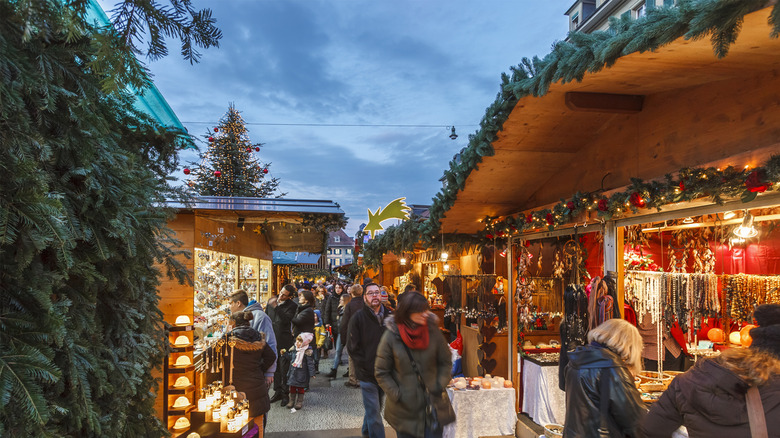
<point x="230" y="165"/>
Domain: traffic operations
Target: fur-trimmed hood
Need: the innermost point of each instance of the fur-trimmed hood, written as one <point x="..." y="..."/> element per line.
<point x="248" y="339"/>
<point x="754" y="366"/>
<point x="433" y="321"/>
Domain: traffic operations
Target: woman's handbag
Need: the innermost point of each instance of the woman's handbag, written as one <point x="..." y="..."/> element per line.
<point x="438" y="409"/>
<point x="755" y="410"/>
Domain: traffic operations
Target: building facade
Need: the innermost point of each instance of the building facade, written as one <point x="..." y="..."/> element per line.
<point x="341" y="249"/>
<point x="592" y="15"/>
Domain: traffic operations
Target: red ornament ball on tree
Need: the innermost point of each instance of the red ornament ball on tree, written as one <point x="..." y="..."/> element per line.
<point x="257" y="148"/>
<point x="186" y="171"/>
<point x="216" y="129"/>
<point x="217" y="173"/>
<point x="211" y="138"/>
<point x="265" y="170"/>
<point x="249" y="149"/>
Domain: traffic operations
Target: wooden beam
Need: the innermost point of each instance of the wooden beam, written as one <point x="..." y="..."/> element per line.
<point x="604" y="102"/>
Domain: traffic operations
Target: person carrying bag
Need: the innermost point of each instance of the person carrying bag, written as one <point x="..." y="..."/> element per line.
<point x="413" y="366"/>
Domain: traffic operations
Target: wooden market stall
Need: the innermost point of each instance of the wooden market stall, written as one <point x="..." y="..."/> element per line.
<point x="228" y="244"/>
<point x="595" y="152"/>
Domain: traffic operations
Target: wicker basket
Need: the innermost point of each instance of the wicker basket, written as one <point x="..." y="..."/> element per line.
<point x="553" y="430"/>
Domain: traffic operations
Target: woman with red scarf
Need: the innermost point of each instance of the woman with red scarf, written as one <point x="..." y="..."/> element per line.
<point x="412" y="330"/>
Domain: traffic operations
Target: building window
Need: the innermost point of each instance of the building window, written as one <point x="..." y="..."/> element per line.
<point x="337" y="239"/>
<point x="349" y="250"/>
<point x="329" y="251"/>
<point x="336" y="262"/>
<point x="640" y="11"/>
<point x="337" y="251"/>
<point x="575" y="21"/>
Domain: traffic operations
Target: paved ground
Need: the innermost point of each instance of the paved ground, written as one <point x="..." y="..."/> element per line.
<point x="330" y="410"/>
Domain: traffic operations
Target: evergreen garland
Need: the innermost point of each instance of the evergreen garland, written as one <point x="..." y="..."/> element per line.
<point x="81" y="233"/>
<point x="569" y="61"/>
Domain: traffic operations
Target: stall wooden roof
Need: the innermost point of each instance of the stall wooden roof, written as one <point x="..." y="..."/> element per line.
<point x="694" y="109"/>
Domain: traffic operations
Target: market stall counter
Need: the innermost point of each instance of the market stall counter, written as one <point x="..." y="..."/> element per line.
<point x="482" y="411"/>
<point x="542" y="400"/>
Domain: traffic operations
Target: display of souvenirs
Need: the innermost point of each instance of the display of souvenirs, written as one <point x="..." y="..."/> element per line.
<point x="181" y="402"/>
<point x="183" y="361"/>
<point x="476" y="383"/>
<point x="181" y="341"/>
<point x="181" y="423"/>
<point x="182" y="320"/>
<point x="182" y="382"/>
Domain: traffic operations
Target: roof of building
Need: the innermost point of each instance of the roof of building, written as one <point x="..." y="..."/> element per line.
<point x="344" y="239"/>
<point x="295" y="258"/>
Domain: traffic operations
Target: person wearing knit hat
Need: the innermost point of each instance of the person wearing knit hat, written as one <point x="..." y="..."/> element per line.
<point x="710" y="398"/>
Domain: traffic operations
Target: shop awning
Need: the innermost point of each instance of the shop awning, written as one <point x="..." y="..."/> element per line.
<point x="288" y="224"/>
<point x="295" y="258"/>
<point x="649" y="114"/>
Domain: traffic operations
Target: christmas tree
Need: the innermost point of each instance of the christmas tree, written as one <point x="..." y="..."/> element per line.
<point x="230" y="166"/>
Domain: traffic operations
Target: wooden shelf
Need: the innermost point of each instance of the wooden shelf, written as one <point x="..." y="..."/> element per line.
<point x="181" y="328"/>
<point x="186" y="349"/>
<point x="181" y="411"/>
<point x="181" y="391"/>
<point x="181" y="370"/>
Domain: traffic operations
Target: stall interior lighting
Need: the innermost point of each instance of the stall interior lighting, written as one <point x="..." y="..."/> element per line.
<point x="769" y="217"/>
<point x="403" y="261"/>
<point x="729" y="215"/>
<point x="444" y="256"/>
<point x="446" y="267"/>
<point x="746" y="230"/>
<point x="688" y="220"/>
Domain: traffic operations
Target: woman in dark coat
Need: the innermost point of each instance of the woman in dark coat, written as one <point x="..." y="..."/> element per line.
<point x="710" y="399"/>
<point x="252" y="357"/>
<point x="303" y="321"/>
<point x="416" y="327"/>
<point x="604" y="370"/>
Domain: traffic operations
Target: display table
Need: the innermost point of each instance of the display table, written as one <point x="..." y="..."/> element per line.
<point x="543" y="400"/>
<point x="483" y="412"/>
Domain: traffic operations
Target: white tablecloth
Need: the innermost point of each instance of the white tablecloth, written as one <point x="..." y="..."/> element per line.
<point x="543" y="401"/>
<point x="484" y="412"/>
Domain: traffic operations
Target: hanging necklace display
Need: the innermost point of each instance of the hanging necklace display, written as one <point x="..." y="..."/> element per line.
<point x="524" y="287"/>
<point x="232" y="342"/>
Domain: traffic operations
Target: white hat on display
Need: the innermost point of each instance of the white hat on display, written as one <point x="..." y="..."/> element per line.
<point x="181" y="423"/>
<point x="181" y="402"/>
<point x="182" y="320"/>
<point x="182" y="341"/>
<point x="183" y="361"/>
<point x="182" y="382"/>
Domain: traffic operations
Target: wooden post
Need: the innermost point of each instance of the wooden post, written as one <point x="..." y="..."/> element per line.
<point x="613" y="257"/>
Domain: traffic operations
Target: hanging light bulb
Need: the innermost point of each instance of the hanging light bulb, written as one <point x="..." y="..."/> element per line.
<point x="446" y="267"/>
<point x="403" y="261"/>
<point x="728" y="215"/>
<point x="688" y="220"/>
<point x="453" y="136"/>
<point x="746" y="230"/>
<point x="444" y="256"/>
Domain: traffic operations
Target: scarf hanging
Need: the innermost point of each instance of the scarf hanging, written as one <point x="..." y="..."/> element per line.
<point x="414" y="338"/>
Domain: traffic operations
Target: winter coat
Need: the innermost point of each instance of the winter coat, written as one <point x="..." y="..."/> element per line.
<point x="281" y="316"/>
<point x="352" y="307"/>
<point x="405" y="408"/>
<point x="253" y="357"/>
<point x="303" y="321"/>
<point x="330" y="311"/>
<point x="588" y="365"/>
<point x="709" y="399"/>
<point x="363" y="337"/>
<point x="262" y="323"/>
<point x="300" y="376"/>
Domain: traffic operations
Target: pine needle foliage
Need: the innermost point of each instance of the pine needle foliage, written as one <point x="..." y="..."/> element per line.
<point x="81" y="229"/>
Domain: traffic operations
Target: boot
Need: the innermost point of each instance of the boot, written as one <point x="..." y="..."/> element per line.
<point x="291" y="403"/>
<point x="299" y="403"/>
<point x="331" y="374"/>
<point x="277" y="396"/>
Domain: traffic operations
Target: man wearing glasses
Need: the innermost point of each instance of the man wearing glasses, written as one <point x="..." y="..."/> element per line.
<point x="282" y="312"/>
<point x="365" y="331"/>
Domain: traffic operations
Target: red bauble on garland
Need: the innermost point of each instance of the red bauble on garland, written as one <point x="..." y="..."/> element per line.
<point x="530" y="218"/>
<point x="603" y="205"/>
<point x="570" y="205"/>
<point x="216" y="129"/>
<point x="186" y="171"/>
<point x="550" y="219"/>
<point x="217" y="173"/>
<point x="265" y="170"/>
<point x="682" y="186"/>
<point x="755" y="182"/>
<point x="637" y="200"/>
<point x="489" y="236"/>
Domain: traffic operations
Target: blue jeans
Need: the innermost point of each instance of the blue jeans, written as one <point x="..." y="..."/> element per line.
<point x="339" y="349"/>
<point x="372" y="403"/>
<point x="428" y="434"/>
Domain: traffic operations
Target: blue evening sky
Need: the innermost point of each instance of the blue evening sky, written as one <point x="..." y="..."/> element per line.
<point x="399" y="62"/>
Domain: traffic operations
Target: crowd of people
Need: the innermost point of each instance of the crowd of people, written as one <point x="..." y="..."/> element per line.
<point x="279" y="348"/>
<point x="398" y="356"/>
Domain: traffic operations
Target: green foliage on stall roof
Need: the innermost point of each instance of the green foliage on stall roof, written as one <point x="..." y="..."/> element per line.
<point x="589" y="53"/>
<point x="720" y="20"/>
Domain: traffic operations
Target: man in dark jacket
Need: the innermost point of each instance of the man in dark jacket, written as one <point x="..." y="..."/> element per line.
<point x="365" y="330"/>
<point x="281" y="315"/>
<point x="260" y="322"/>
<point x="329" y="319"/>
<point x="356" y="291"/>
